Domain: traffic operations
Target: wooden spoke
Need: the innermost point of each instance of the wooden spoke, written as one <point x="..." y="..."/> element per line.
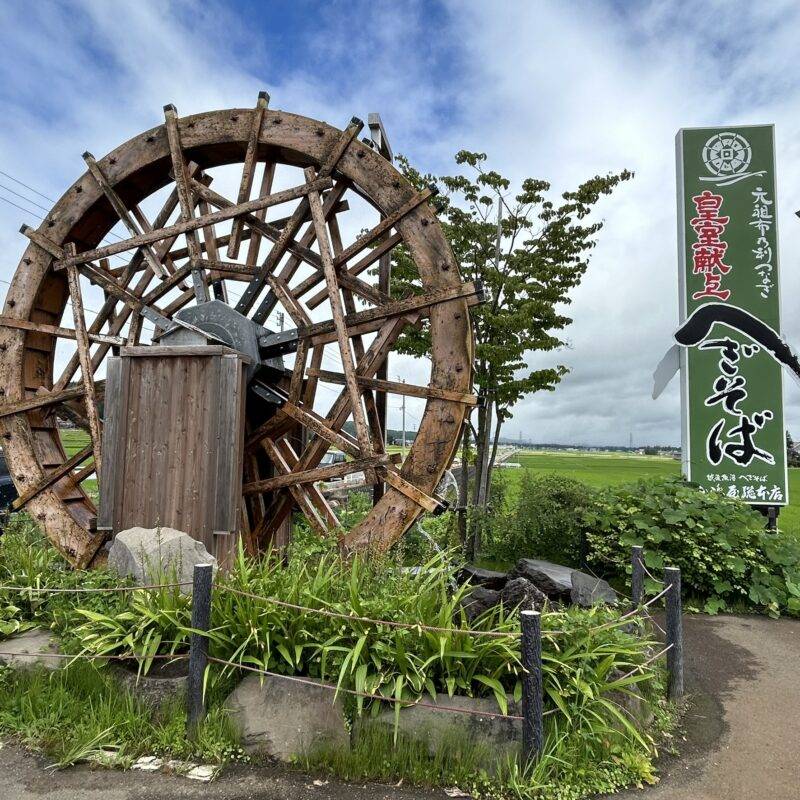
<point x="296" y="220"/>
<point x="45" y="399"/>
<point x="397" y="387"/>
<point x="292" y="306"/>
<point x="210" y="242"/>
<point x="87" y="372"/>
<point x="296" y="384"/>
<point x="384" y="226"/>
<point x="321" y="427"/>
<point x="385" y="247"/>
<point x="55" y="330"/>
<point x="325" y="473"/>
<point x="254" y="246"/>
<point x="397" y="481"/>
<point x="298" y="493"/>
<point x="52" y="477"/>
<point x="372" y="319"/>
<point x="248" y="170"/>
<point x="331" y="206"/>
<point x="185" y="200"/>
<point x="323" y="242"/>
<point x="190" y="226"/>
<point x="316" y="497"/>
<point x="122" y="212"/>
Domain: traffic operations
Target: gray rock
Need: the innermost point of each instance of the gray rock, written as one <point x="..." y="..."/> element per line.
<point x="160" y="687"/>
<point x="521" y="593"/>
<point x="494" y="738"/>
<point x="282" y="719"/>
<point x="630" y="701"/>
<point x="477" y="601"/>
<point x="552" y="579"/>
<point x="587" y="590"/>
<point x="482" y="577"/>
<point x="154" y="555"/>
<point x="26" y="649"/>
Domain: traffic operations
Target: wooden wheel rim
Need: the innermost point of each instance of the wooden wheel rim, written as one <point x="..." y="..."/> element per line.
<point x="140" y="167"/>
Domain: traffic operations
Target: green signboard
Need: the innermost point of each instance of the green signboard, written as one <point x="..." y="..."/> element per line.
<point x="731" y="378"/>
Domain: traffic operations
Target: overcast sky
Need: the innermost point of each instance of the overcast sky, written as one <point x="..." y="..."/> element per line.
<point x="559" y="91"/>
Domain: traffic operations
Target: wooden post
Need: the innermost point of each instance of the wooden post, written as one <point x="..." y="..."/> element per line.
<point x="463" y="495"/>
<point x="637" y="575"/>
<point x="531" y="651"/>
<point x="198" y="646"/>
<point x="672" y="580"/>
<point x="772" y="518"/>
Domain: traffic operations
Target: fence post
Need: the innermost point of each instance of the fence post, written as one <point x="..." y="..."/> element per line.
<point x="637" y="575"/>
<point x="198" y="645"/>
<point x="531" y="649"/>
<point x="672" y="579"/>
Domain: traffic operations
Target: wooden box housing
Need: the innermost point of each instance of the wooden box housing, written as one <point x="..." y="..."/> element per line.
<point x="173" y="443"/>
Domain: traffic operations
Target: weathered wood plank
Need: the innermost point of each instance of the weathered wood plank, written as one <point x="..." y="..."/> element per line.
<point x="397" y="481"/>
<point x="56" y="330"/>
<point x="398" y="387"/>
<point x="87" y="373"/>
<point x="348" y="362"/>
<point x="248" y="170"/>
<point x="52" y="477"/>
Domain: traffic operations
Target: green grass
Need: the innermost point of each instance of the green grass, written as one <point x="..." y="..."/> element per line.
<point x="603" y="469"/>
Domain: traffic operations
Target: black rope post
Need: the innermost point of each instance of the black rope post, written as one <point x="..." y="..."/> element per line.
<point x="637" y="575"/>
<point x="532" y="736"/>
<point x="672" y="580"/>
<point x="198" y="645"/>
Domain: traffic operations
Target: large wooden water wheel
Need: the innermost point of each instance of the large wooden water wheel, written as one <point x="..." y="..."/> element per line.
<point x="149" y="228"/>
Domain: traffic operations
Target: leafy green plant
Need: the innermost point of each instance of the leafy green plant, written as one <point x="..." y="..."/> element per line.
<point x="542" y="521"/>
<point x="726" y="556"/>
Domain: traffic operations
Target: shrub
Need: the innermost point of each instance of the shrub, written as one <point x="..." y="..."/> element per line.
<point x="726" y="556"/>
<point x="544" y="521"/>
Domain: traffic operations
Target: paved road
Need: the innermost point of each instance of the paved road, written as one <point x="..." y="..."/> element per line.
<point x="742" y="734"/>
<point x="742" y="726"/>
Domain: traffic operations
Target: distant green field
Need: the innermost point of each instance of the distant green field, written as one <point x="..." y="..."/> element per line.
<point x="603" y="469"/>
<point x="596" y="469"/>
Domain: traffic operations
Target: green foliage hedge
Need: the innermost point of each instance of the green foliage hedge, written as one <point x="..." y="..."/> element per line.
<point x="727" y="558"/>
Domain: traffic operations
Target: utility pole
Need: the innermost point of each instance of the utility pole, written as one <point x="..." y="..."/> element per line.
<point x="281" y="318"/>
<point x="402" y="380"/>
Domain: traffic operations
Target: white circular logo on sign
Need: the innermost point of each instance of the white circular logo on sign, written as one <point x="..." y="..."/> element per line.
<point x="726" y="154"/>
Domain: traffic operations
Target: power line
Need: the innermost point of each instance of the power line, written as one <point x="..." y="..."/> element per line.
<point x="30" y="188"/>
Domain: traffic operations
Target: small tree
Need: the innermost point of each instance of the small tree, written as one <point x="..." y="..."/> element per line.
<point x="529" y="253"/>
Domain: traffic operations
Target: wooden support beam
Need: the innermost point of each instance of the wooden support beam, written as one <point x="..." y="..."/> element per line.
<point x="397" y="387"/>
<point x="321" y="427"/>
<point x="386" y="224"/>
<point x="316" y="497"/>
<point x="296" y="383"/>
<point x="123" y="213"/>
<point x="248" y="170"/>
<point x="385" y="247"/>
<point x="282" y="467"/>
<point x="292" y="306"/>
<point x="397" y="481"/>
<point x="227" y="210"/>
<point x="52" y="477"/>
<point x="337" y="310"/>
<point x="210" y="242"/>
<point x="325" y="473"/>
<point x="84" y="355"/>
<point x="185" y="200"/>
<point x="55" y="330"/>
<point x="296" y="220"/>
<point x="44" y="399"/>
<point x="267" y="178"/>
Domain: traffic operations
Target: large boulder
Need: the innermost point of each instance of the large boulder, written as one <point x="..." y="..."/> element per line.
<point x="587" y="590"/>
<point x="522" y="594"/>
<point x="477" y="576"/>
<point x="552" y="579"/>
<point x="282" y="719"/>
<point x="494" y="738"/>
<point x="34" y="648"/>
<point x="157" y="555"/>
<point x="564" y="584"/>
<point x="477" y="601"/>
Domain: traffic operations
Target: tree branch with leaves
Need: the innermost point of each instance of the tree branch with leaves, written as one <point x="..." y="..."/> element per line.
<point x="530" y="253"/>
